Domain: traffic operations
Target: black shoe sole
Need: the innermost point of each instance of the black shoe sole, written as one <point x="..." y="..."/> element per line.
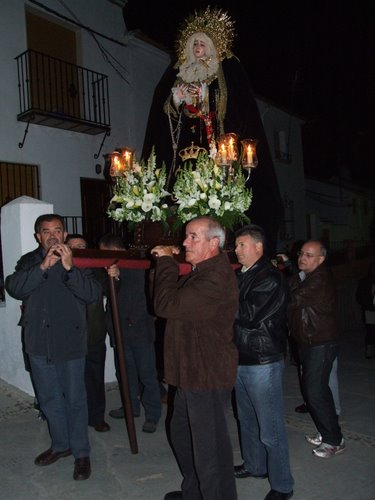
<point x="243" y="475"/>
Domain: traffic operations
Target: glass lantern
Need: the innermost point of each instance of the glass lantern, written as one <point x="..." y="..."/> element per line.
<point x="121" y="161"/>
<point x="227" y="149"/>
<point x="249" y="159"/>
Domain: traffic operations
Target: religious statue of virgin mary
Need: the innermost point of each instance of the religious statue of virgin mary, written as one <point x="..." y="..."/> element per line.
<point x="205" y="93"/>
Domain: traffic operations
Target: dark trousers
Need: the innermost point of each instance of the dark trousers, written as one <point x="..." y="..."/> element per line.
<point x="202" y="445"/>
<point x="94" y="380"/>
<point x="142" y="379"/>
<point x="62" y="397"/>
<point x="316" y="367"/>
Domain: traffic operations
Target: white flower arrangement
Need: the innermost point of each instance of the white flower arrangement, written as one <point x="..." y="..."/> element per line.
<point x="205" y="189"/>
<point x="201" y="189"/>
<point x="140" y="194"/>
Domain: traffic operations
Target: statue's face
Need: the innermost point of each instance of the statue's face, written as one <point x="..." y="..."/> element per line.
<point x="199" y="48"/>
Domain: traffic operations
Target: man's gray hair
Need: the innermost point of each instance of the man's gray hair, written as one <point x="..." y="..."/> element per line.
<point x="214" y="229"/>
<point x="255" y="232"/>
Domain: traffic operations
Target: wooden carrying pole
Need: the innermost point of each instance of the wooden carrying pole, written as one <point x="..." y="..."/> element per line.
<point x="124" y="259"/>
<point x="123" y="375"/>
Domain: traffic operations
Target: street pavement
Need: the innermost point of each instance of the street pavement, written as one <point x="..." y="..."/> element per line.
<point x="119" y="474"/>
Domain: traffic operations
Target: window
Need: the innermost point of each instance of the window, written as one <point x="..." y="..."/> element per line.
<point x="18" y="180"/>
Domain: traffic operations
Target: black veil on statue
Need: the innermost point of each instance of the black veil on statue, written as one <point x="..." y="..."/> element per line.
<point x="243" y="118"/>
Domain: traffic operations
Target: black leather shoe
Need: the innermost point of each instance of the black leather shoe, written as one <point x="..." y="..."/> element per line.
<point x="173" y="495"/>
<point x="82" y="469"/>
<point x="49" y="456"/>
<point x="277" y="495"/>
<point x="101" y="427"/>
<point x="301" y="408"/>
<point x="240" y="472"/>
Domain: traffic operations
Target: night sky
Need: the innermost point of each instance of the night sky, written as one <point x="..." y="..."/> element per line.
<point x="313" y="58"/>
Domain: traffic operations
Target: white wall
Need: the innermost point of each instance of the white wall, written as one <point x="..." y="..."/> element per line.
<point x="63" y="156"/>
<point x="290" y="174"/>
<point x="339" y="208"/>
<point x="17" y="233"/>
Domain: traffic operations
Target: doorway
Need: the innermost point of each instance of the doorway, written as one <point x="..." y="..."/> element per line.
<point x="53" y="66"/>
<point x="95" y="197"/>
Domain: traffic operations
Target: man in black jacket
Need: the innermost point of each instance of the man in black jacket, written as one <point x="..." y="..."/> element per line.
<point x="260" y="336"/>
<point x="55" y="295"/>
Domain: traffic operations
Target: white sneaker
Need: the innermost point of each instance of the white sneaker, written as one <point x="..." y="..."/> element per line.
<point x="316" y="439"/>
<point x="326" y="450"/>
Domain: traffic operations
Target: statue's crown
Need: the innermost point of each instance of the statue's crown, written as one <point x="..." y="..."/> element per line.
<point x="214" y="23"/>
<point x="191" y="152"/>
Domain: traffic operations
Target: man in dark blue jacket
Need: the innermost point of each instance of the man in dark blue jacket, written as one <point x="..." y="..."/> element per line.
<point x="96" y="347"/>
<point x="138" y="335"/>
<point x="260" y="336"/>
<point x="55" y="295"/>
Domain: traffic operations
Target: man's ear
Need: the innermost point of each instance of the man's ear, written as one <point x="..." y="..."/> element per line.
<point x="259" y="246"/>
<point x="214" y="242"/>
<point x="37" y="237"/>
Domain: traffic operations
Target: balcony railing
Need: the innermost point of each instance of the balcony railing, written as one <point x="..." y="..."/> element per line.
<point x="94" y="227"/>
<point x="62" y="95"/>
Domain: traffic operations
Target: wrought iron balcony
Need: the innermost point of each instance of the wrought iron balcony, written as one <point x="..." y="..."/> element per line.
<point x="62" y="95"/>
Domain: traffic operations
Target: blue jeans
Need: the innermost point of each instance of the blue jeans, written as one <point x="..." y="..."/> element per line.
<point x="317" y="364"/>
<point x="61" y="392"/>
<point x="260" y="408"/>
